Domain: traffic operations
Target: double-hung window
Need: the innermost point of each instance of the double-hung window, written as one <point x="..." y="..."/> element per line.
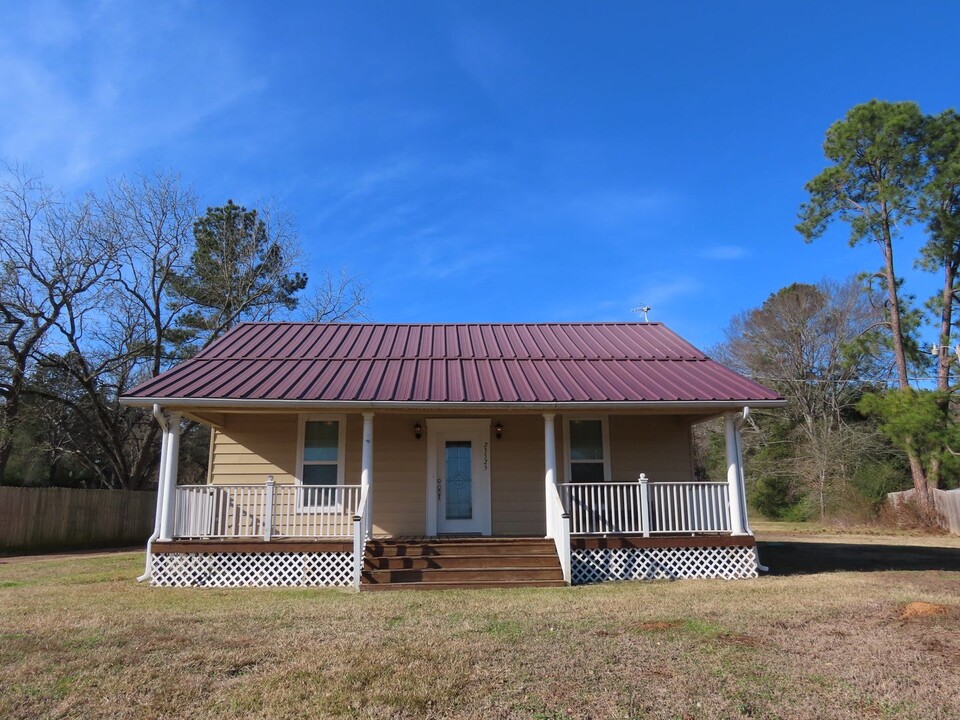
<point x="588" y="450"/>
<point x="321" y="461"/>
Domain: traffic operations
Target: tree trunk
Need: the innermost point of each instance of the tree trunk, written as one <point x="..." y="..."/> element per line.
<point x="917" y="472"/>
<point x="893" y="297"/>
<point x="6" y="449"/>
<point x="944" y="360"/>
<point x="11" y="412"/>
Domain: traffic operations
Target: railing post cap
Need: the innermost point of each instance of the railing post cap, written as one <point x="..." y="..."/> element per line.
<point x="643" y="478"/>
<point x="269" y="479"/>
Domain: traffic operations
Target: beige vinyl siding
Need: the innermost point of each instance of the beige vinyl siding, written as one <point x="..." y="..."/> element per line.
<point x="517" y="467"/>
<point x="657" y="445"/>
<point x="399" y="476"/>
<point x="248" y="448"/>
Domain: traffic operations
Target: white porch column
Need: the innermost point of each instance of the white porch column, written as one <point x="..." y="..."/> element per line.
<point x="171" y="468"/>
<point x="366" y="470"/>
<point x="161" y="477"/>
<point x="550" y="467"/>
<point x="734" y="474"/>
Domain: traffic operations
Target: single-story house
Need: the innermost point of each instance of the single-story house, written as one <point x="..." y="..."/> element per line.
<point x="449" y="455"/>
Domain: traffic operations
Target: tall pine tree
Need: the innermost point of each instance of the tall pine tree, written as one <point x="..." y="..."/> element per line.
<point x="241" y="269"/>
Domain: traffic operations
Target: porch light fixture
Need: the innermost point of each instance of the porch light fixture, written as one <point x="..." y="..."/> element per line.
<point x="418" y="430"/>
<point x="499" y="429"/>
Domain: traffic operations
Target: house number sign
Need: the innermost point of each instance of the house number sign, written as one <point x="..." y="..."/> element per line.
<point x="485" y="455"/>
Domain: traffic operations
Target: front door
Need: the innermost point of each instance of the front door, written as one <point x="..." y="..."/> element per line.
<point x="459" y="491"/>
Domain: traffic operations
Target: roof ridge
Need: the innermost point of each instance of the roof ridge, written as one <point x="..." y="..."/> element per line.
<point x="611" y="323"/>
<point x="358" y="358"/>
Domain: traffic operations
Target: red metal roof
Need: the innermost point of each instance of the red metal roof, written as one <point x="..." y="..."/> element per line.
<point x="463" y="363"/>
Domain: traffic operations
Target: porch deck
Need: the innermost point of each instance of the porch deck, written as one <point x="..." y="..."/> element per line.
<point x="201" y="545"/>
<point x="235" y="535"/>
<point x="462" y="562"/>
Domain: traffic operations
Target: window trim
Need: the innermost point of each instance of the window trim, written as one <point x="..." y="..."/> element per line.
<point x="304" y="418"/>
<point x="568" y="462"/>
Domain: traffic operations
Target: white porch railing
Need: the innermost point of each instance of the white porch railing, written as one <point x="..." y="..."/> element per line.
<point x="691" y="507"/>
<point x="560" y="524"/>
<point x="646" y="508"/>
<point x="265" y="511"/>
<point x="362" y="529"/>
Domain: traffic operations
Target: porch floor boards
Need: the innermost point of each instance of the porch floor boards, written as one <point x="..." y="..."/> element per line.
<point x="464" y="545"/>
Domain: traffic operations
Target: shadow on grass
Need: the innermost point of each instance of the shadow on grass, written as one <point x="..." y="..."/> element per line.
<point x="805" y="558"/>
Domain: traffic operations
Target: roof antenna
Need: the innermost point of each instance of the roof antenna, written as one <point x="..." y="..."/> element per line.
<point x="642" y="309"/>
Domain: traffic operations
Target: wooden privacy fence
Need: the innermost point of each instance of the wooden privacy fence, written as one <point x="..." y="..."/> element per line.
<point x="64" y="518"/>
<point x="947" y="503"/>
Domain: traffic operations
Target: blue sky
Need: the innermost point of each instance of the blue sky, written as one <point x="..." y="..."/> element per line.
<point x="493" y="161"/>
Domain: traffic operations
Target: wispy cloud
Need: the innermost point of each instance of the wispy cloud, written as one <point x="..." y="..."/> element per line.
<point x="617" y="208"/>
<point x="604" y="310"/>
<point x="411" y="196"/>
<point x="724" y="252"/>
<point x="439" y="263"/>
<point x="488" y="56"/>
<point x="660" y="293"/>
<point x="102" y="86"/>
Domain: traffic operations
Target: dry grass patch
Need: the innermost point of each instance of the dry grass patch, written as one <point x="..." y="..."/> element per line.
<point x="79" y="639"/>
<point x="772" y="530"/>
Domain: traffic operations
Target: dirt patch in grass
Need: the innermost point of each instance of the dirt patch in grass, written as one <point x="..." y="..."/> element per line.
<point x="79" y="639"/>
<point x="921" y="609"/>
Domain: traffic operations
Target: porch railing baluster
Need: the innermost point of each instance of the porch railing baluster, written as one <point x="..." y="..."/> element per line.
<point x="646" y="508"/>
<point x="283" y="510"/>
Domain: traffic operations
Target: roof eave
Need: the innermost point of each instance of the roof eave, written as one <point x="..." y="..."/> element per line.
<point x="305" y="405"/>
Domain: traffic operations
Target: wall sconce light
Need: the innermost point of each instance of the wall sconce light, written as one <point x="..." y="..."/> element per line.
<point x="499" y="429"/>
<point x="418" y="430"/>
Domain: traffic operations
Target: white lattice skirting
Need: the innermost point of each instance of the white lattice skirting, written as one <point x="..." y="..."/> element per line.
<point x="602" y="564"/>
<point x="264" y="569"/>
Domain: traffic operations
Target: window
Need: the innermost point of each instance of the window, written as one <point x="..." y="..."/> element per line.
<point x="587" y="450"/>
<point x="321" y="460"/>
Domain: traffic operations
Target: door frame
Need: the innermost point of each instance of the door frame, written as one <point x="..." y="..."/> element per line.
<point x="480" y="427"/>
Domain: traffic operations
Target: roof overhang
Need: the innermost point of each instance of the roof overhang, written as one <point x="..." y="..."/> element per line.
<point x="240" y="404"/>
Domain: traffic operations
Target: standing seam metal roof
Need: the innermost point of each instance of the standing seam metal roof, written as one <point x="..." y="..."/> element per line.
<point x="463" y="363"/>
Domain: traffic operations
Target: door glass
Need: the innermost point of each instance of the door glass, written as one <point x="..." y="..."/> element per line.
<point x="459" y="480"/>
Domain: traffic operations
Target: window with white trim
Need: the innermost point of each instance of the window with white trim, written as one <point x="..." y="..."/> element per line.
<point x="321" y="460"/>
<point x="588" y="452"/>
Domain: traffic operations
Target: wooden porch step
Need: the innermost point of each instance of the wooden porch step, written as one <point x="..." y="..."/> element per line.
<point x="462" y="574"/>
<point x="472" y="585"/>
<point x="460" y="563"/>
<point x="427" y="562"/>
<point x="477" y="548"/>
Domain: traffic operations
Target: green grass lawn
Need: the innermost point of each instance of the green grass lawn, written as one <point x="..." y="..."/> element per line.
<point x="80" y="639"/>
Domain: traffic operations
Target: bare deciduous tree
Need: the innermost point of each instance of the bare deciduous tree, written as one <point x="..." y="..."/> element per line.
<point x="53" y="263"/>
<point x="148" y="222"/>
<point x="820" y="347"/>
<point x="336" y="298"/>
<point x="98" y="295"/>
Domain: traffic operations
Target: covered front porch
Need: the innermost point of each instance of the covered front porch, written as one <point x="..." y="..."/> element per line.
<point x="274" y="531"/>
